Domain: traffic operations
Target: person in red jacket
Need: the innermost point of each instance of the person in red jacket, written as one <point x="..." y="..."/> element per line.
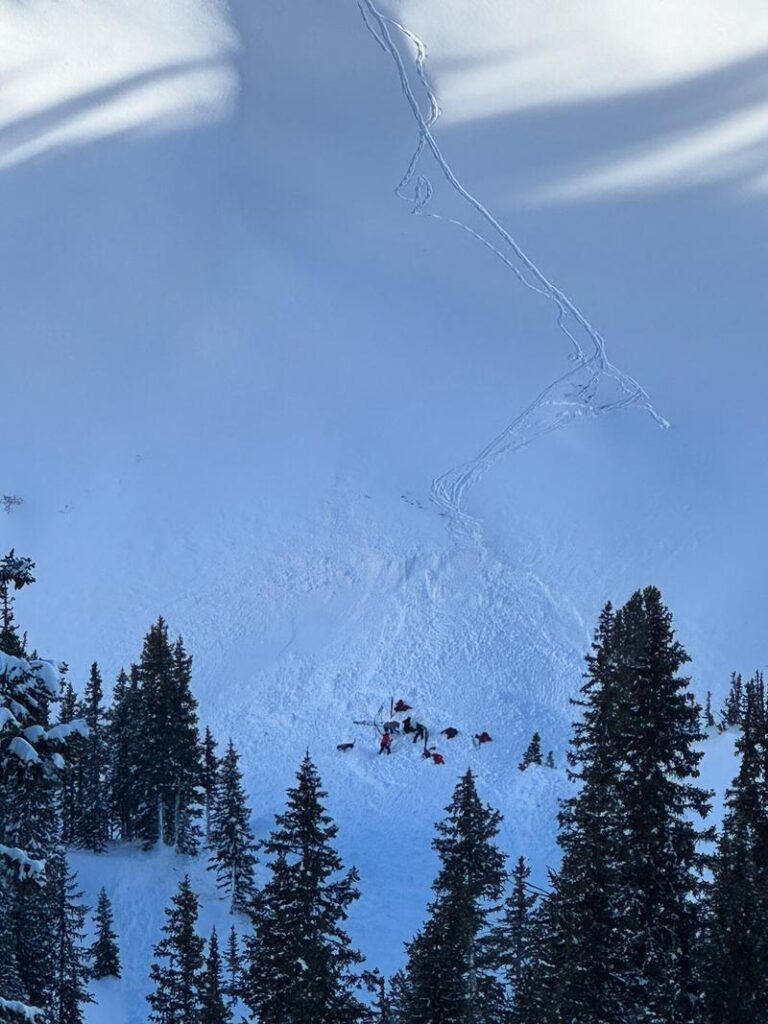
<point x="385" y="747"/>
<point x="438" y="758"/>
<point x="482" y="737"/>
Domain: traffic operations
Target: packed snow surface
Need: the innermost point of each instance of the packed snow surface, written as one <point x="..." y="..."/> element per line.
<point x="352" y="453"/>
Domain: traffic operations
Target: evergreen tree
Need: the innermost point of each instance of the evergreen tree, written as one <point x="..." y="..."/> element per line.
<point x="709" y="718"/>
<point x="451" y="972"/>
<point x="233" y="978"/>
<point x="736" y="970"/>
<point x="105" y="955"/>
<point x="514" y="937"/>
<point x="30" y="777"/>
<point x="67" y="985"/>
<point x="623" y="919"/>
<point x="16" y="572"/>
<point x="550" y="762"/>
<point x="299" y="958"/>
<point x="178" y="967"/>
<point x="209" y="777"/>
<point x="71" y="773"/>
<point x="532" y="754"/>
<point x="124" y="743"/>
<point x="92" y="830"/>
<point x="232" y="844"/>
<point x="733" y="708"/>
<point x="167" y="770"/>
<point x="214" y="1009"/>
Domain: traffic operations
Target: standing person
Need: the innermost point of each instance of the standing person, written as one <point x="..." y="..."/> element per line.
<point x="385" y="747"/>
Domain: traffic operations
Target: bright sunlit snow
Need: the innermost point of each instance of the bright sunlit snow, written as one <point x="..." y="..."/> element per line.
<point x="239" y="369"/>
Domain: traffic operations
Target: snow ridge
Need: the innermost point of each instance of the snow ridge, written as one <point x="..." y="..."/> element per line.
<point x="575" y="392"/>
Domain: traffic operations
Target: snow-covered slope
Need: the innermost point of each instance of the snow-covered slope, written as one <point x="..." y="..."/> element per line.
<point x="235" y="363"/>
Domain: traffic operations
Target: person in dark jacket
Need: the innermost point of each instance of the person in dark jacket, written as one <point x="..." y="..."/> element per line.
<point x="385" y="747"/>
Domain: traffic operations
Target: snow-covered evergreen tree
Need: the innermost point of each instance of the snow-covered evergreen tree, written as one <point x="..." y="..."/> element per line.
<point x="299" y="959"/>
<point x="233" y="848"/>
<point x="178" y="966"/>
<point x="451" y="975"/>
<point x="31" y="763"/>
<point x="105" y="953"/>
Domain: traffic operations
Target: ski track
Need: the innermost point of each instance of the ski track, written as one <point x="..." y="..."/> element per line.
<point x="575" y="392"/>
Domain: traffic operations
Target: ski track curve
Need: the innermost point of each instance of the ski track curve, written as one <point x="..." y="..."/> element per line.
<point x="572" y="394"/>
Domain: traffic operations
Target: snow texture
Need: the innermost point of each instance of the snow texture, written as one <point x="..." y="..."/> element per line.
<point x="254" y="370"/>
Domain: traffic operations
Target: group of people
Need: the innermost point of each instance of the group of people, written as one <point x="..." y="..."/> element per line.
<point x="419" y="731"/>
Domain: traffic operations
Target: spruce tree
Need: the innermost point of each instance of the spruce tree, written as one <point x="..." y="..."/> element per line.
<point x="733" y="709"/>
<point x="92" y="831"/>
<point x="299" y="958"/>
<point x="736" y="964"/>
<point x="451" y="974"/>
<point x="71" y="776"/>
<point x="68" y="982"/>
<point x="167" y="770"/>
<point x="709" y="718"/>
<point x="105" y="954"/>
<point x="233" y="976"/>
<point x="178" y="966"/>
<point x="214" y="1009"/>
<point x="624" y="919"/>
<point x="208" y="778"/>
<point x="16" y="572"/>
<point x="124" y="743"/>
<point x="31" y="761"/>
<point x="233" y="855"/>
<point x="550" y="761"/>
<point x="515" y="940"/>
<point x="532" y="753"/>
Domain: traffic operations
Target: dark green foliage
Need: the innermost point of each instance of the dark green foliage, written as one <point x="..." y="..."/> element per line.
<point x="233" y="973"/>
<point x="516" y="945"/>
<point x="177" y="970"/>
<point x="451" y="975"/>
<point x="233" y="848"/>
<point x="214" y="1008"/>
<point x="92" y="828"/>
<point x="709" y="718"/>
<point x="67" y="990"/>
<point x="532" y="753"/>
<point x="105" y="955"/>
<point x="733" y="709"/>
<point x="299" y="958"/>
<point x="124" y="740"/>
<point x="208" y="777"/>
<point x="623" y="921"/>
<point x="550" y="761"/>
<point x="167" y="770"/>
<point x="736" y="966"/>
